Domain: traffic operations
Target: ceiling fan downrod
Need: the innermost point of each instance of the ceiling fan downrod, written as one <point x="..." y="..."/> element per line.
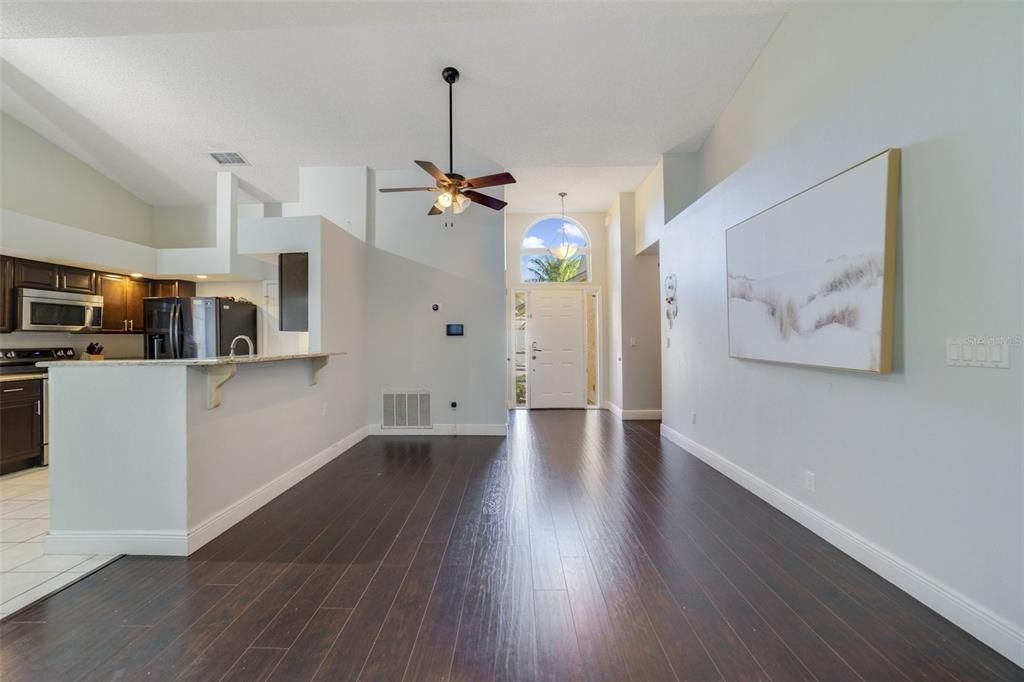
<point x="450" y="75"/>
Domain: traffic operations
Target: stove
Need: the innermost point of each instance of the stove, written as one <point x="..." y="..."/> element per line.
<point x="23" y="360"/>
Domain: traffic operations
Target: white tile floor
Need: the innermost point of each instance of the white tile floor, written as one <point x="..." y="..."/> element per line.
<point x="26" y="574"/>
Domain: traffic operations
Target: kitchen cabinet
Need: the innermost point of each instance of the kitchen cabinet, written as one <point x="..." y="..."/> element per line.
<point x="293" y="276"/>
<point x="174" y="287"/>
<point x="21" y="425"/>
<point x="6" y="294"/>
<point x="77" y="280"/>
<point x="123" y="303"/>
<point x="35" y="275"/>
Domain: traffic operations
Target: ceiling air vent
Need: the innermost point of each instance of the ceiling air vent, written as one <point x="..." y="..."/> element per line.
<point x="229" y="158"/>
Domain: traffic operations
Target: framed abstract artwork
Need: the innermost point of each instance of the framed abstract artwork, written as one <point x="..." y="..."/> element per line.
<point x="811" y="279"/>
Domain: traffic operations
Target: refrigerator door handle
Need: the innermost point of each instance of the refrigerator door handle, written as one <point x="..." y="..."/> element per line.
<point x="173" y="332"/>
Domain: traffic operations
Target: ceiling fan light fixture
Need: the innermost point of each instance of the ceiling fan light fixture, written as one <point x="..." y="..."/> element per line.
<point x="444" y="199"/>
<point x="460" y="204"/>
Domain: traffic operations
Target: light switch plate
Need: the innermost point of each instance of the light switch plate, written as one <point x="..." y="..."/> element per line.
<point x="977" y="352"/>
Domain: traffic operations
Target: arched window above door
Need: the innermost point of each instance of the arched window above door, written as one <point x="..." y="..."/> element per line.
<point x="555" y="250"/>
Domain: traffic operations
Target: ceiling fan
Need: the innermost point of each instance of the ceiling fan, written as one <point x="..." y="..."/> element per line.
<point x="454" y="191"/>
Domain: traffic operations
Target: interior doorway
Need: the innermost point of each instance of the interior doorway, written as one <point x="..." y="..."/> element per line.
<point x="554" y="346"/>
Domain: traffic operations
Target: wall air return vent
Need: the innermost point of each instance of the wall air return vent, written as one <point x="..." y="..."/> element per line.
<point x="229" y="158"/>
<point x="406" y="410"/>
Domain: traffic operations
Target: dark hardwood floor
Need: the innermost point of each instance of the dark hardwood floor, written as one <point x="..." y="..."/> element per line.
<point x="579" y="549"/>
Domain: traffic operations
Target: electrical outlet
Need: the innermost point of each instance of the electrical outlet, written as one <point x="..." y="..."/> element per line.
<point x="693" y="417"/>
<point x="809" y="483"/>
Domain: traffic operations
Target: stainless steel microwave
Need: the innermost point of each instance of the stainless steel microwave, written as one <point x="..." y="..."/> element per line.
<point x="40" y="310"/>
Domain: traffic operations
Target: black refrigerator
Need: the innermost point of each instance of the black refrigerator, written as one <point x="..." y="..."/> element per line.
<point x="200" y="327"/>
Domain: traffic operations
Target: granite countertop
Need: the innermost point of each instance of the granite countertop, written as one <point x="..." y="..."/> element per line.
<point x="22" y="377"/>
<point x="187" y="362"/>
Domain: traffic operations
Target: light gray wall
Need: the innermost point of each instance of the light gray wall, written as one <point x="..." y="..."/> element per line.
<point x="634" y="370"/>
<point x="39" y="179"/>
<point x="414" y="262"/>
<point x="613" y="304"/>
<point x="924" y="464"/>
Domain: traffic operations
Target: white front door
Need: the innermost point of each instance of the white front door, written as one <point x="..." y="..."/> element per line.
<point x="555" y="333"/>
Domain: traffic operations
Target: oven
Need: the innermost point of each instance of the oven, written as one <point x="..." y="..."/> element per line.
<point x="40" y="310"/>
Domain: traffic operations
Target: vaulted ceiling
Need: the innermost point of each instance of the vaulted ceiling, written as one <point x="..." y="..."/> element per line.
<point x="142" y="91"/>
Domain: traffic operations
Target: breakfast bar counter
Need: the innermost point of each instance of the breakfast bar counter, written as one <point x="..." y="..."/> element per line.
<point x="162" y="456"/>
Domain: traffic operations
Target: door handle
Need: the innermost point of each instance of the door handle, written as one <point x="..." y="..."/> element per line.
<point x="13" y="390"/>
<point x="131" y="325"/>
<point x="39" y="407"/>
<point x="125" y="323"/>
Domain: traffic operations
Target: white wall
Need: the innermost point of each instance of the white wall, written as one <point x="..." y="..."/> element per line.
<point x="671" y="186"/>
<point x="649" y="201"/>
<point x="919" y="474"/>
<point x="309" y="419"/>
<point x="681" y="182"/>
<point x="338" y="193"/>
<point x="39" y="179"/>
<point x="414" y="262"/>
<point x="115" y="345"/>
<point x="613" y="306"/>
<point x="184" y="226"/>
<point x="631" y="310"/>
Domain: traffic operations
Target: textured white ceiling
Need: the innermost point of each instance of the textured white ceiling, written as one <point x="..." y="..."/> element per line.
<point x="143" y="90"/>
<point x="587" y="189"/>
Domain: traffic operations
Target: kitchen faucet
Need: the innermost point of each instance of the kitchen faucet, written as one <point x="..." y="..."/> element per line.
<point x="252" y="349"/>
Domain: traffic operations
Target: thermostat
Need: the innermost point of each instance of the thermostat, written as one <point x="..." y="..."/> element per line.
<point x="455" y="329"/>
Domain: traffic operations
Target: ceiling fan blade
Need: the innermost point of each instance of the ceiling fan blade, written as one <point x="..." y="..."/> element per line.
<point x="434" y="210"/>
<point x="491" y="180"/>
<point x="408" y="189"/>
<point x="436" y="172"/>
<point x="484" y="200"/>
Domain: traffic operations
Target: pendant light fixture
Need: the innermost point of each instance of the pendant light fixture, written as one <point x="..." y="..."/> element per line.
<point x="565" y="250"/>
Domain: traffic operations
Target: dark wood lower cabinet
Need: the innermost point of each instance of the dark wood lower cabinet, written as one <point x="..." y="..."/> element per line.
<point x="21" y="425"/>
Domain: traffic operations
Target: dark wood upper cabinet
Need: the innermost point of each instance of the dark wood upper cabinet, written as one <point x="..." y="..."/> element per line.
<point x="293" y="278"/>
<point x="77" y="280"/>
<point x="123" y="303"/>
<point x="123" y="296"/>
<point x="136" y="290"/>
<point x="21" y="425"/>
<point x="35" y="275"/>
<point x="113" y="289"/>
<point x="6" y="294"/>
<point x="174" y="287"/>
<point x="28" y="273"/>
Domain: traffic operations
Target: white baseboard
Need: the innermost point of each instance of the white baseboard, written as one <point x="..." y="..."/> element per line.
<point x="217" y="523"/>
<point x="116" y="542"/>
<point x="173" y="543"/>
<point x="631" y="415"/>
<point x="989" y="627"/>
<point x="444" y="430"/>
